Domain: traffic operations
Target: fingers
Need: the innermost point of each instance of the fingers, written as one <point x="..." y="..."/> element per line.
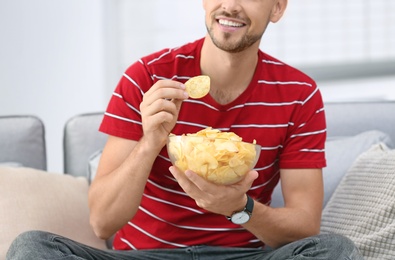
<point x="160" y="107"/>
<point x="249" y="178"/>
<point x="220" y="199"/>
<point x="190" y="180"/>
<point x="157" y="107"/>
<point x="199" y="182"/>
<point x="187" y="180"/>
<point x="183" y="179"/>
<point x="165" y="89"/>
<point x="164" y="95"/>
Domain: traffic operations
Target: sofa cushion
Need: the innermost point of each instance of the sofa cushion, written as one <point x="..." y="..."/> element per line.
<point x="340" y="153"/>
<point x="363" y="206"/>
<point x="37" y="200"/>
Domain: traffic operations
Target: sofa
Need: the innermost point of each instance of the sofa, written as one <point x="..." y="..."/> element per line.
<point x="359" y="179"/>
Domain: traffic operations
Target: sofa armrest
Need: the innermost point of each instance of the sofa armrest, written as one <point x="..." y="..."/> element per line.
<point x="22" y="141"/>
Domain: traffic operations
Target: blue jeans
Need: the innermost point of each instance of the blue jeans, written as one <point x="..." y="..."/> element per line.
<point x="42" y="245"/>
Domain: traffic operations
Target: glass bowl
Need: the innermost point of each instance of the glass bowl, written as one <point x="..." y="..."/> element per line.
<point x="218" y="160"/>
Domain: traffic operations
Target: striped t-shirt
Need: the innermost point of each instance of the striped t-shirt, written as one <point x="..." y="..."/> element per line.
<point x="281" y="109"/>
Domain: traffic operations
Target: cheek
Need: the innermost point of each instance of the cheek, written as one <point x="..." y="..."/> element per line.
<point x="208" y="9"/>
<point x="208" y="5"/>
<point x="260" y="20"/>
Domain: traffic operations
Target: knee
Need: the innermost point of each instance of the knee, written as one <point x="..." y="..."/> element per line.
<point x="29" y="237"/>
<point x="342" y="245"/>
<point x="26" y="243"/>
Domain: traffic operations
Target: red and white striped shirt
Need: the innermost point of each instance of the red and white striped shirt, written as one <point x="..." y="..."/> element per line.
<point x="281" y="109"/>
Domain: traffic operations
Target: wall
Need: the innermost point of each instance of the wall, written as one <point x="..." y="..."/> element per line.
<point x="139" y="28"/>
<point x="52" y="63"/>
<point x="319" y="32"/>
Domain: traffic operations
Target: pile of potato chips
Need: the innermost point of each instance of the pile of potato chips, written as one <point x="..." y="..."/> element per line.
<point x="219" y="157"/>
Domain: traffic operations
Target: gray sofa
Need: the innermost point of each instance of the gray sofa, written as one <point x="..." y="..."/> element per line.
<point x="353" y="128"/>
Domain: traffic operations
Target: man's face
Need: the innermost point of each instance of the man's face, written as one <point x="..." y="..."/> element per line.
<point x="235" y="25"/>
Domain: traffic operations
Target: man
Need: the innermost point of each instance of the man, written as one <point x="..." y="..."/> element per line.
<point x="155" y="210"/>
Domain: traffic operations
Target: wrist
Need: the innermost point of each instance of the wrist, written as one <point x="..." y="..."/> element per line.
<point x="243" y="216"/>
<point x="242" y="204"/>
<point x="150" y="145"/>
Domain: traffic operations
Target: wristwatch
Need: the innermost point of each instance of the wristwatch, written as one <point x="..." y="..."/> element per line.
<point x="242" y="217"/>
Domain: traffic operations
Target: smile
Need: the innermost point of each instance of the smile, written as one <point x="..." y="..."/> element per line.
<point x="228" y="23"/>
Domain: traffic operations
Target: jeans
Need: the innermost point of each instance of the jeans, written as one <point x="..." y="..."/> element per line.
<point x="42" y="245"/>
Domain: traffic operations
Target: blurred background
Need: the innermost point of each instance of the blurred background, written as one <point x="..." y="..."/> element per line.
<point x="62" y="58"/>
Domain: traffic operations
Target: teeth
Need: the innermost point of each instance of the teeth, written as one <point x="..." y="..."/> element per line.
<point x="230" y="23"/>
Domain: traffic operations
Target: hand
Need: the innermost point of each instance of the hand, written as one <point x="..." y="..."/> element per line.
<point x="159" y="110"/>
<point x="220" y="199"/>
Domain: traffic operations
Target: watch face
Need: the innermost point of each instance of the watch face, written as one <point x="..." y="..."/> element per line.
<point x="240" y="217"/>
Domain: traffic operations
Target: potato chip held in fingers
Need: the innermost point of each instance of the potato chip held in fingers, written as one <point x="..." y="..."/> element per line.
<point x="198" y="87"/>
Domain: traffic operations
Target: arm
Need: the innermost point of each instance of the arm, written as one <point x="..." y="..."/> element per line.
<point x="125" y="165"/>
<point x="301" y="216"/>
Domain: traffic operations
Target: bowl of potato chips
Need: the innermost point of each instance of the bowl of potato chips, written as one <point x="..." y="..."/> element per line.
<point x="219" y="157"/>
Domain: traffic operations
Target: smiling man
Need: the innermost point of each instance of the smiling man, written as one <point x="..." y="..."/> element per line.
<point x="156" y="211"/>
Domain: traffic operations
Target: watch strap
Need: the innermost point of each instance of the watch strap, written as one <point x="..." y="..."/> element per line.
<point x="250" y="204"/>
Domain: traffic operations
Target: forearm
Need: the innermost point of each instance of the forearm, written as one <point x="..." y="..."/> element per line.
<point x="114" y="197"/>
<point x="279" y="226"/>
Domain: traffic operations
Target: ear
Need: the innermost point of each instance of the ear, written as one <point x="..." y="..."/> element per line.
<point x="278" y="10"/>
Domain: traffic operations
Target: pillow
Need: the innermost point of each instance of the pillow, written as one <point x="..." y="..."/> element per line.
<point x="363" y="206"/>
<point x="340" y="153"/>
<point x="36" y="200"/>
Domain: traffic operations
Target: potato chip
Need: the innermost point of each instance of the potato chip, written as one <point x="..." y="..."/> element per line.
<point x="198" y="87"/>
<point x="219" y="157"/>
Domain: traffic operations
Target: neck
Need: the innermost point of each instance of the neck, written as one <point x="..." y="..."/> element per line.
<point x="230" y="73"/>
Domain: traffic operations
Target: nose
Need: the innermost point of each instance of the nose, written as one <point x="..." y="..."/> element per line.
<point x="231" y="6"/>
